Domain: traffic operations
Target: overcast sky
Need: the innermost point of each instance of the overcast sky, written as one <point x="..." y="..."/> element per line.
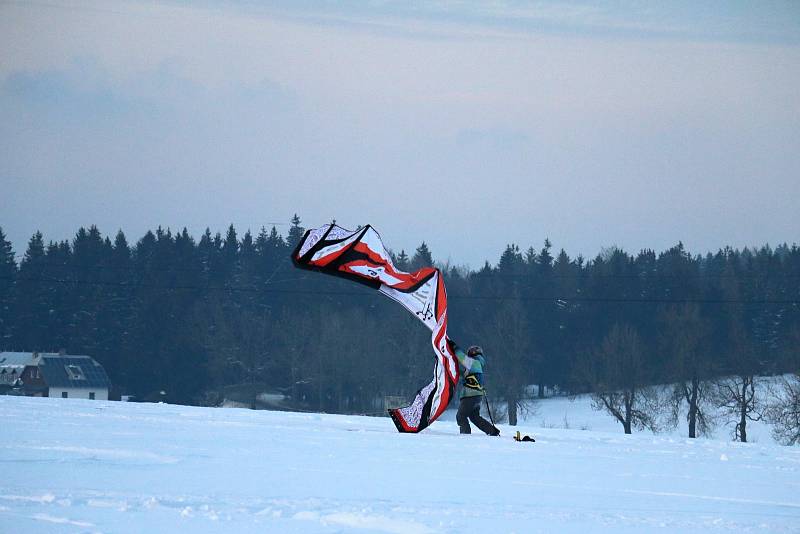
<point x="465" y="124"/>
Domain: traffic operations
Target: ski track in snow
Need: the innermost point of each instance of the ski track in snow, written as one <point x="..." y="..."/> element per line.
<point x="92" y="466"/>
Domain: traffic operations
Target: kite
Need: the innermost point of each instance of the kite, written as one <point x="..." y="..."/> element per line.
<point x="360" y="256"/>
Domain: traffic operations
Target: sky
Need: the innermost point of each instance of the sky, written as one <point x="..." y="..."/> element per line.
<point x="467" y="125"/>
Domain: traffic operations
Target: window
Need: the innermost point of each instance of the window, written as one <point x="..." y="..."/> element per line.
<point x="74" y="372"/>
<point x="91" y="395"/>
<point x="64" y="395"/>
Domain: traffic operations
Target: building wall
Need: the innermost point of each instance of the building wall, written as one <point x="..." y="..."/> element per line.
<point x="80" y="393"/>
<point x="32" y="376"/>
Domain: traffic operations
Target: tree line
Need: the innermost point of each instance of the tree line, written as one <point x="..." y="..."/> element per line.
<point x="195" y="321"/>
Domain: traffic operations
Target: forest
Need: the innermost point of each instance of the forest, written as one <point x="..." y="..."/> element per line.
<point x="196" y="321"/>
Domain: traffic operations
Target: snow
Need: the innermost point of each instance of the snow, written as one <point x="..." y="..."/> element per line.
<point x="561" y="412"/>
<point x="71" y="465"/>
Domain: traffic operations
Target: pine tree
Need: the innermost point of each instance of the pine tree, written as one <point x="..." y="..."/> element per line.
<point x="511" y="261"/>
<point x="543" y="311"/>
<point x="88" y="269"/>
<point x="295" y="232"/>
<point x="248" y="275"/>
<point x="63" y="290"/>
<point x="278" y="248"/>
<point x="247" y="256"/>
<point x="566" y="282"/>
<point x="230" y="248"/>
<point x="32" y="298"/>
<point x="117" y="347"/>
<point x="422" y="257"/>
<point x="8" y="275"/>
<point x="8" y="266"/>
<point x="402" y="262"/>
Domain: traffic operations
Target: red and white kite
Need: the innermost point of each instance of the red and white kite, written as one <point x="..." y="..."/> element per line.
<point x="360" y="256"/>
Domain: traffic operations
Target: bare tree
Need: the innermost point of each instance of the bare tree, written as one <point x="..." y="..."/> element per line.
<point x="684" y="342"/>
<point x="617" y="375"/>
<point x="784" y="413"/>
<point x="736" y="396"/>
<point x="508" y="345"/>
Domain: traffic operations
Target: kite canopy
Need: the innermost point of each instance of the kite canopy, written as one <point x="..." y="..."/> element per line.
<point x="360" y="256"/>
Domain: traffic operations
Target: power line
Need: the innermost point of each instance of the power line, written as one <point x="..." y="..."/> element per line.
<point x="556" y="299"/>
<point x="494" y="274"/>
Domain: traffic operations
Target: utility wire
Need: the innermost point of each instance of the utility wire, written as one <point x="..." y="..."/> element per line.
<point x="557" y="299"/>
<point x="474" y="275"/>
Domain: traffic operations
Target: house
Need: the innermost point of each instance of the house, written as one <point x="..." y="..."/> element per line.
<point x="53" y="375"/>
<point x="17" y="369"/>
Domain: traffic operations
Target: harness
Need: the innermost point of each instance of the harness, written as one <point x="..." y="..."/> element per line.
<point x="473" y="381"/>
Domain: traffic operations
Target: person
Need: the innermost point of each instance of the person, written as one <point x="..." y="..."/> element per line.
<point x="471" y="365"/>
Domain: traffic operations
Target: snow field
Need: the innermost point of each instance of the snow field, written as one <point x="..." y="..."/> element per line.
<point x="92" y="466"/>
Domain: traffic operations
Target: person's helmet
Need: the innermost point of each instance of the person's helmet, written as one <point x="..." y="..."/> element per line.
<point x="474" y="350"/>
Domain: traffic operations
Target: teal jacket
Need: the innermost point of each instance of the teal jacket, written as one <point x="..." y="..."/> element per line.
<point x="472" y="373"/>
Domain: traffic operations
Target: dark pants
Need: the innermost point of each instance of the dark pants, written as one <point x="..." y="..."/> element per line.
<point x="470" y="409"/>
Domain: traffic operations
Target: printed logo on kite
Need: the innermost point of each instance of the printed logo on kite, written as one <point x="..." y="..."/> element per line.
<point x="426" y="314"/>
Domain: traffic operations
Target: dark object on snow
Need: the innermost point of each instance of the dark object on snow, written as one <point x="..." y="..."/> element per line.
<point x="517" y="437"/>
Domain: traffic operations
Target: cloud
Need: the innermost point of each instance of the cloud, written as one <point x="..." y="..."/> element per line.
<point x="772" y="21"/>
<point x="404" y="119"/>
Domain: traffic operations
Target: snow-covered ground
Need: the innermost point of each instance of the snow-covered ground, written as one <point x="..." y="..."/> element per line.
<point x="93" y="466"/>
<point x="577" y="414"/>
